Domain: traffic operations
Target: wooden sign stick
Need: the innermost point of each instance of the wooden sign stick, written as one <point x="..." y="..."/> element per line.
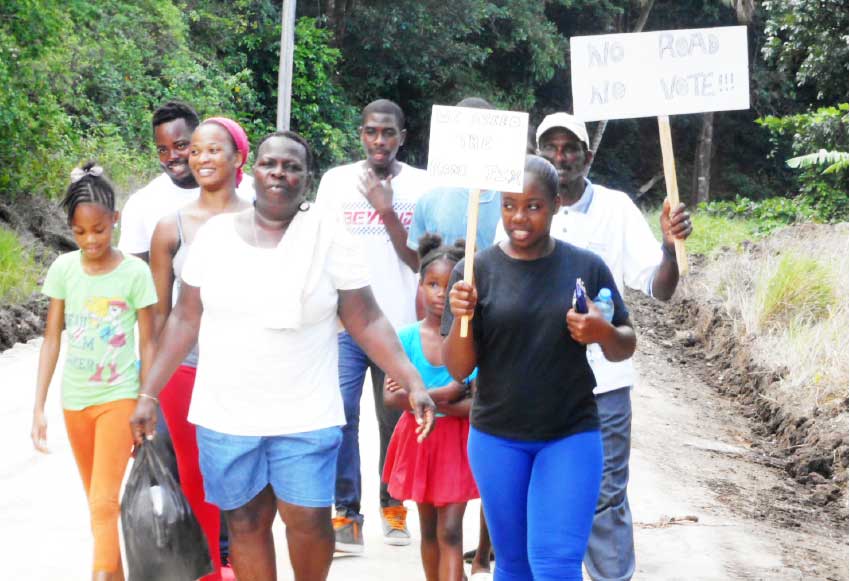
<point x="471" y="235"/>
<point x="672" y="185"/>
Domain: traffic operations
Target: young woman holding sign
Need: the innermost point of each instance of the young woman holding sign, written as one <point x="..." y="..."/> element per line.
<point x="534" y="446"/>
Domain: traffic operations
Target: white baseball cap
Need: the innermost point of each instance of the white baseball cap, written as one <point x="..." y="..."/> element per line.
<point x="564" y="121"/>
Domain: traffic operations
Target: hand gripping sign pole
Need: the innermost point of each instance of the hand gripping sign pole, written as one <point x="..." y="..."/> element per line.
<point x="657" y="74"/>
<point x="476" y="149"/>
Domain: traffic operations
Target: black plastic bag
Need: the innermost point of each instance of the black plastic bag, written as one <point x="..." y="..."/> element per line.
<point x="163" y="540"/>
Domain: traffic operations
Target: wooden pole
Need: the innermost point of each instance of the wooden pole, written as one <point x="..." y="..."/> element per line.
<point x="672" y="185"/>
<point x="284" y="75"/>
<point x="471" y="235"/>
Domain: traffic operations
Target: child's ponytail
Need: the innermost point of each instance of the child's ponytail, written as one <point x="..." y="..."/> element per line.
<point x="431" y="248"/>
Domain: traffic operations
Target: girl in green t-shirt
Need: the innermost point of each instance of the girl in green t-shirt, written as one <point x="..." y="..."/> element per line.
<point x="97" y="294"/>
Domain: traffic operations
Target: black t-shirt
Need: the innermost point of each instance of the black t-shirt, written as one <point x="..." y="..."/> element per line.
<point x="534" y="382"/>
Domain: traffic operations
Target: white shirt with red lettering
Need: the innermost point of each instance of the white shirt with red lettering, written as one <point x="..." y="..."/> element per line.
<point x="392" y="281"/>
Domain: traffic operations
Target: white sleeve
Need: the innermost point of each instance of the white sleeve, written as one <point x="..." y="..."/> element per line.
<point x="134" y="238"/>
<point x="642" y="253"/>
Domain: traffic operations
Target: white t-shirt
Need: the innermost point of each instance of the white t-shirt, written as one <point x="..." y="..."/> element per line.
<point x="614" y="228"/>
<point x="256" y="381"/>
<point x="392" y="281"/>
<point x="160" y="198"/>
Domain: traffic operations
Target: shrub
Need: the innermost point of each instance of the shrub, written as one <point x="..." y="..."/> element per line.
<point x="798" y="292"/>
<point x="767" y="214"/>
<point x="806" y="133"/>
<point x="18" y="270"/>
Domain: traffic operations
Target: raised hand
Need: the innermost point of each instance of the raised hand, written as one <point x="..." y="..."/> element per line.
<point x="378" y="192"/>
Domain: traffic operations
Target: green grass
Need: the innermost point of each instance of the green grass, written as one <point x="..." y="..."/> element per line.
<point x="710" y="233"/>
<point x="798" y="292"/>
<point x="18" y="270"/>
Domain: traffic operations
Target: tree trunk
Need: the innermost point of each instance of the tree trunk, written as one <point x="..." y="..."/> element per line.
<point x="336" y="11"/>
<point x="702" y="160"/>
<point x="596" y="140"/>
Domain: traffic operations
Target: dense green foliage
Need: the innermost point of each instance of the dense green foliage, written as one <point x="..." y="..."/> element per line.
<point x="805" y="133"/>
<point x="80" y="79"/>
<point x="766" y="215"/>
<point x="84" y="80"/>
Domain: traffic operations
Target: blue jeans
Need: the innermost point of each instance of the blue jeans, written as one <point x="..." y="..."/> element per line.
<point x="611" y="551"/>
<point x="538" y="500"/>
<point x="353" y="363"/>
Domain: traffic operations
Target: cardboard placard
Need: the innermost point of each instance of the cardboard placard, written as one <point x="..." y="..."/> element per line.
<point x="477" y="148"/>
<point x="668" y="72"/>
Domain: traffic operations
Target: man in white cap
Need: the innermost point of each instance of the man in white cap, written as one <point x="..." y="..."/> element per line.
<point x="608" y="223"/>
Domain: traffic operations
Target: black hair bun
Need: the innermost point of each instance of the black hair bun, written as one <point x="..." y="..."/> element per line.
<point x="429" y="242"/>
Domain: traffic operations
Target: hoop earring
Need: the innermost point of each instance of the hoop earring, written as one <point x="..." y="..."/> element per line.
<point x="304" y="206"/>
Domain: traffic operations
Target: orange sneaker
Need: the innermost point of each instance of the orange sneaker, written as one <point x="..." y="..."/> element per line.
<point x="394" y="519"/>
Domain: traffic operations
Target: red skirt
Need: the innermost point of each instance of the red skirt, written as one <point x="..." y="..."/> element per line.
<point x="435" y="471"/>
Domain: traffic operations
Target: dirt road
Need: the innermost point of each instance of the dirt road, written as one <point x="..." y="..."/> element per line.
<point x="706" y="505"/>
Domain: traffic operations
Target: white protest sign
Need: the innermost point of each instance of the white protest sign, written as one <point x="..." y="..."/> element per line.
<point x="477" y="148"/>
<point x="669" y="72"/>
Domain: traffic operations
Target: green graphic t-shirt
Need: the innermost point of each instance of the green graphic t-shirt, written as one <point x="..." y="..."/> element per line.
<point x="100" y="318"/>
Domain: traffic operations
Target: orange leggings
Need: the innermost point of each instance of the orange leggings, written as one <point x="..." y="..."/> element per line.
<point x="101" y="440"/>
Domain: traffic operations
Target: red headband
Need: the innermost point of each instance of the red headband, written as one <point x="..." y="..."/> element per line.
<point x="240" y="138"/>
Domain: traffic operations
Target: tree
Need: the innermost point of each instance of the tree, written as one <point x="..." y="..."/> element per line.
<point x="420" y="53"/>
<point x="806" y="44"/>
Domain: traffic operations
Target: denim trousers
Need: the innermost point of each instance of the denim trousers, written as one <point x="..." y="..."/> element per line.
<point x="610" y="552"/>
<point x="353" y="363"/>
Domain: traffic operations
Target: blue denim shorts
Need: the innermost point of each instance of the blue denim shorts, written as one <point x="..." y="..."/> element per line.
<point x="300" y="467"/>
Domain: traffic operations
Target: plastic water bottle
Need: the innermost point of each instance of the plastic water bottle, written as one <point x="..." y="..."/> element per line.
<point x="605" y="303"/>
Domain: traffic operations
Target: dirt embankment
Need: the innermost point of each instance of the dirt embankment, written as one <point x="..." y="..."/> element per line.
<point x="811" y="447"/>
<point x="41" y="227"/>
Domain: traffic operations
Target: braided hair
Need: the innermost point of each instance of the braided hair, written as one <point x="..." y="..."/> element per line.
<point x="431" y="249"/>
<point x="88" y="186"/>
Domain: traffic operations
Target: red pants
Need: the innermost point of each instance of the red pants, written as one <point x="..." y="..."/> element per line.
<point x="101" y="440"/>
<point x="174" y="400"/>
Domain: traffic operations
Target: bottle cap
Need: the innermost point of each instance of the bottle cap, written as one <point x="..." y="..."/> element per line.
<point x="604" y="293"/>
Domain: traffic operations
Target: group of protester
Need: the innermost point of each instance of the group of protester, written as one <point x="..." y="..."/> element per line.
<point x="242" y="354"/>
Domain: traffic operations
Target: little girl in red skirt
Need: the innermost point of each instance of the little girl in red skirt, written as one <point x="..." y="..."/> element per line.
<point x="434" y="473"/>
